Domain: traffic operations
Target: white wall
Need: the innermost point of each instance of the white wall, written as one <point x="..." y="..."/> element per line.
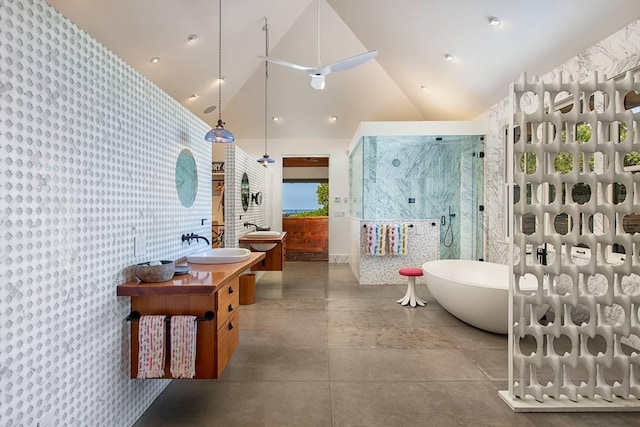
<point x="89" y="149"/>
<point x="237" y="163"/>
<point x="336" y="150"/>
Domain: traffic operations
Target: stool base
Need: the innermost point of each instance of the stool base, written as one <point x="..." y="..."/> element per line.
<point x="410" y="298"/>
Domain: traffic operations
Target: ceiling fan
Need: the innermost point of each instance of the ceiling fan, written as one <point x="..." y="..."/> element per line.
<point x="321" y="71"/>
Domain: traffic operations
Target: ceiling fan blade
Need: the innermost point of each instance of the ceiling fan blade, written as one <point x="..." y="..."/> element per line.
<point x="354" y="61"/>
<point x="285" y="63"/>
<point x="317" y="81"/>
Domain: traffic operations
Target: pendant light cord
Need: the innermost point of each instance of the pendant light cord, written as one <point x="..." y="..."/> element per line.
<point x="266" y="78"/>
<point x="219" y="60"/>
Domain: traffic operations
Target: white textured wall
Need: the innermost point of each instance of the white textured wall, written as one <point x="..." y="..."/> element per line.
<point x="88" y="151"/>
<point x="237" y="163"/>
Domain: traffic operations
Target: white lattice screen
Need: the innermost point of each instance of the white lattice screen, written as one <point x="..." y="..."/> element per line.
<point x="569" y="210"/>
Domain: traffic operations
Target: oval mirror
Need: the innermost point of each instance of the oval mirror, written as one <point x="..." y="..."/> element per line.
<point x="186" y="178"/>
<point x="244" y="192"/>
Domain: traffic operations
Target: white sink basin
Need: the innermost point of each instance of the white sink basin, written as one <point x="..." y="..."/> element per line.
<point x="263" y="247"/>
<point x="220" y="256"/>
<point x="264" y="234"/>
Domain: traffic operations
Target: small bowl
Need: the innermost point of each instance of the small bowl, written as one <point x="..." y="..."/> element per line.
<point x="155" y="273"/>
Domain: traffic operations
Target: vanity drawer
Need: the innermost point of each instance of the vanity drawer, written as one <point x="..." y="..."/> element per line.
<point x="228" y="302"/>
<point x="228" y="339"/>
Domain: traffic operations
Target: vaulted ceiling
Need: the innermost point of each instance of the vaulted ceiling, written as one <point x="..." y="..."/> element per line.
<point x="408" y="80"/>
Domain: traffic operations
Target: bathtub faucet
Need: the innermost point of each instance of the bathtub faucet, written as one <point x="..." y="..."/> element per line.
<point x="189" y="237"/>
<point x="541" y="254"/>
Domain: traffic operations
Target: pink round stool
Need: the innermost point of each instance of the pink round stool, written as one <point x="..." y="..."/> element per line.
<point x="410" y="297"/>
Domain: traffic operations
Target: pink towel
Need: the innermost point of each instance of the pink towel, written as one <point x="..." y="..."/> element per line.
<point x="183" y="346"/>
<point x="151" y="347"/>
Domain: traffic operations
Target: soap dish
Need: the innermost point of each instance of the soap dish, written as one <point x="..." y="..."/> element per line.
<point x="182" y="269"/>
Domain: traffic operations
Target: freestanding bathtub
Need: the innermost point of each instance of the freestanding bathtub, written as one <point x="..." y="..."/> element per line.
<point x="475" y="292"/>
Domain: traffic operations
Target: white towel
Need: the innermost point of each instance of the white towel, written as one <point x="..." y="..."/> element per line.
<point x="183" y="346"/>
<point x="376" y="239"/>
<point x="399" y="239"/>
<point x="151" y="347"/>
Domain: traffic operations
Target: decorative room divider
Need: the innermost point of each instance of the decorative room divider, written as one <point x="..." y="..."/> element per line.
<point x="571" y="194"/>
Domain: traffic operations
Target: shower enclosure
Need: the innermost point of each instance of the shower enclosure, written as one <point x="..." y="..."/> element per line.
<point x="401" y="178"/>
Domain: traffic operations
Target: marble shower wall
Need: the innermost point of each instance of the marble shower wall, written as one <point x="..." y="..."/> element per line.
<point x="408" y="177"/>
<point x="611" y="56"/>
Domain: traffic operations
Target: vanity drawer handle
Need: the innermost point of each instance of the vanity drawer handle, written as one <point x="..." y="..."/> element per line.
<point x="231" y="290"/>
<point x="230" y="326"/>
<point x="230" y="308"/>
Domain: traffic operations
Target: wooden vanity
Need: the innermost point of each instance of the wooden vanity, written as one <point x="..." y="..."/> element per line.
<point x="274" y="258"/>
<point x="206" y="288"/>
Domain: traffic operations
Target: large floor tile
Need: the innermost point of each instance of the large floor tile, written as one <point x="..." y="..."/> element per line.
<point x="211" y="403"/>
<point x="468" y="337"/>
<point x="278" y="292"/>
<point x="372" y="404"/>
<point x="284" y="338"/>
<point x="251" y="318"/>
<point x="401" y="365"/>
<point x="387" y="337"/>
<point x="277" y="364"/>
<point x="283" y="304"/>
<point x="398" y="317"/>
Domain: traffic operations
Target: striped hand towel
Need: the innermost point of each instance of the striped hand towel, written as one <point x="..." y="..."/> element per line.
<point x="151" y="347"/>
<point x="399" y="239"/>
<point x="376" y="239"/>
<point x="183" y="346"/>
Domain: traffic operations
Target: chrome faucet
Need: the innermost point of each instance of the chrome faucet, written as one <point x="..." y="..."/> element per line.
<point x="189" y="237"/>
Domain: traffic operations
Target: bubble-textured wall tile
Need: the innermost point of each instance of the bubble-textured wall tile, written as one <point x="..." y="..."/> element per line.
<point x="88" y="152"/>
<point x="570" y="140"/>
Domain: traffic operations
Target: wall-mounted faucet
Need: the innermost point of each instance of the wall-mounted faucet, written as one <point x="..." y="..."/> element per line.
<point x="189" y="237"/>
<point x="257" y="227"/>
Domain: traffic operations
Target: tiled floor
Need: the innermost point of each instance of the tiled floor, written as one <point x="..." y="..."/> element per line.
<point x="317" y="349"/>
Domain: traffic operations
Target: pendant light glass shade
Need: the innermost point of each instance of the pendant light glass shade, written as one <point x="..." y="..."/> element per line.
<point x="219" y="134"/>
<point x="265" y="160"/>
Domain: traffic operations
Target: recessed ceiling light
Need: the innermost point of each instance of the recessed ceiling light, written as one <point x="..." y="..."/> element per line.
<point x="192" y="37"/>
<point x="222" y="79"/>
<point x="194" y="96"/>
<point x="493" y="21"/>
<point x="275" y="119"/>
<point x="155" y="60"/>
<point x="424" y="88"/>
<point x="333" y="118"/>
<point x="449" y="57"/>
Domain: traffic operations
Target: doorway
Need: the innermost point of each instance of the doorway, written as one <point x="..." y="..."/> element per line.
<point x="305" y="207"/>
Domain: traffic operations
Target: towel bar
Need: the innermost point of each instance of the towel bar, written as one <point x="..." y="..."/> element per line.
<point x="134" y="316"/>
<point x="410" y="226"/>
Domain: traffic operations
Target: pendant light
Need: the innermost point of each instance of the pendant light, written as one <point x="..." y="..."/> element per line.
<point x="219" y="133"/>
<point x="265" y="160"/>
